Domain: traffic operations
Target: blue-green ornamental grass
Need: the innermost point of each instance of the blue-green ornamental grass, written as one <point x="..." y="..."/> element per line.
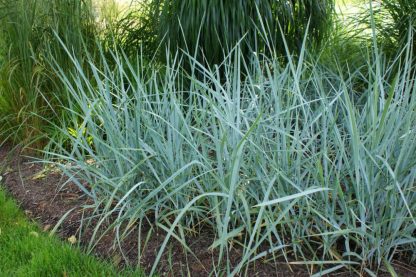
<point x="27" y="251"/>
<point x="291" y="157"/>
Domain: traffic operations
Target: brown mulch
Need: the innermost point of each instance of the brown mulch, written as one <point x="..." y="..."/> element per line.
<point x="45" y="199"/>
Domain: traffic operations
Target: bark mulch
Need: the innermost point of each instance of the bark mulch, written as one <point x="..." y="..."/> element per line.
<point x="44" y="198"/>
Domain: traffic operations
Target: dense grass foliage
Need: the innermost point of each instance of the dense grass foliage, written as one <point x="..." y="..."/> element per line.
<point x="288" y="154"/>
<point x="26" y="251"/>
<point x="211" y="28"/>
<point x="403" y="15"/>
<point x="28" y="87"/>
<point x="292" y="158"/>
<point x="391" y="21"/>
<point x="134" y="31"/>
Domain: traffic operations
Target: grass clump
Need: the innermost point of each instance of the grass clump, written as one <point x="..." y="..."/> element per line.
<point x="285" y="161"/>
<point x="209" y="29"/>
<point x="27" y="251"/>
<point x="401" y="19"/>
<point x="308" y="157"/>
<point x="29" y="91"/>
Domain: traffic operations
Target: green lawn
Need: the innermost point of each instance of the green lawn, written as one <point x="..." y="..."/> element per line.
<point x="26" y="251"/>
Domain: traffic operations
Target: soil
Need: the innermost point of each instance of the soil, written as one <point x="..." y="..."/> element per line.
<point x="46" y="196"/>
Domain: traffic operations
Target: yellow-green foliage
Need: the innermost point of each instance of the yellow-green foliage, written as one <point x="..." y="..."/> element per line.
<point x="27" y="251"/>
<point x="30" y="94"/>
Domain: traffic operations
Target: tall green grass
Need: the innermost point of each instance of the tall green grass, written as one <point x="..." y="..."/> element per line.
<point x="402" y="14"/>
<point x="209" y="29"/>
<point x="29" y="90"/>
<point x="390" y="20"/>
<point x="288" y="162"/>
<point x="134" y="30"/>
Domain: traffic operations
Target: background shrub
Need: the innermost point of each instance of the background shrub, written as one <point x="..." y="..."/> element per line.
<point x="213" y="27"/>
<point x="403" y="14"/>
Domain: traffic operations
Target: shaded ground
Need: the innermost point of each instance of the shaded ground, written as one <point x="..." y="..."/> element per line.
<point x="44" y="199"/>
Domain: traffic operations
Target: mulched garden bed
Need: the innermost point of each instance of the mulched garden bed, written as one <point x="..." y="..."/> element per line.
<point x="43" y="198"/>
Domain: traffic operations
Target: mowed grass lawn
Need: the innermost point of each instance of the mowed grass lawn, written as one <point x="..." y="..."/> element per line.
<point x="27" y="251"/>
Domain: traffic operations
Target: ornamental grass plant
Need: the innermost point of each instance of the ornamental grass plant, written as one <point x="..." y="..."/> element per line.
<point x="291" y="162"/>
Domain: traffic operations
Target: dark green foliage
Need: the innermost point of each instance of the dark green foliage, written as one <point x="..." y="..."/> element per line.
<point x="213" y="27"/>
<point x="216" y="25"/>
<point x="135" y="32"/>
<point x="403" y="13"/>
<point x="393" y="20"/>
